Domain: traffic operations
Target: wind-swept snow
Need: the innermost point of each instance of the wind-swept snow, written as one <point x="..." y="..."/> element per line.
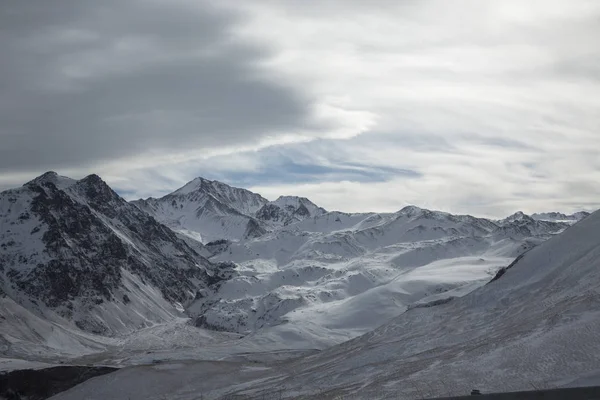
<point x="332" y="277"/>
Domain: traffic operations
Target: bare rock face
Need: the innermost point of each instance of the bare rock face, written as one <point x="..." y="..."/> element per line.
<point x="77" y="250"/>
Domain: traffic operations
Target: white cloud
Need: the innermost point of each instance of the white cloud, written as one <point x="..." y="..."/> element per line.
<point x="503" y="84"/>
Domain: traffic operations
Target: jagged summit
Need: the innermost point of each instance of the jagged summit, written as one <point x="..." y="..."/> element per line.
<point x="240" y="199"/>
<point x="518" y="216"/>
<point x="291" y="200"/>
<point x="193" y="185"/>
<point x="75" y="252"/>
<point x="201" y="184"/>
<point x="289" y="209"/>
<point x="46" y="176"/>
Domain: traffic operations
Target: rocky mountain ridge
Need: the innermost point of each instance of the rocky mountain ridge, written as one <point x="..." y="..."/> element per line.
<point x="75" y="252"/>
<point x="210" y="210"/>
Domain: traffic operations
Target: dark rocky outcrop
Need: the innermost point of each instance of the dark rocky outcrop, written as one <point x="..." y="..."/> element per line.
<point x="503" y="270"/>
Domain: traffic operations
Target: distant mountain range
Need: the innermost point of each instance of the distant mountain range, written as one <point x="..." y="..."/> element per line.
<point x="210" y="210"/>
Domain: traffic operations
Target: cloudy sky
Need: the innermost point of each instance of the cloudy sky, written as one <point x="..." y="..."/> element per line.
<point x="481" y="107"/>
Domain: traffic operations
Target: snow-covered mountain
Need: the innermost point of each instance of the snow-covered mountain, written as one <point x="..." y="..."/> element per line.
<point x="208" y="210"/>
<point x="533" y="325"/>
<point x="334" y="276"/>
<point x="82" y="270"/>
<point x="77" y="257"/>
<point x="522" y="225"/>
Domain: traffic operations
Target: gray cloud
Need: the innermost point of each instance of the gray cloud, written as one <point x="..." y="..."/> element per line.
<point x="467" y="106"/>
<point x="85" y="82"/>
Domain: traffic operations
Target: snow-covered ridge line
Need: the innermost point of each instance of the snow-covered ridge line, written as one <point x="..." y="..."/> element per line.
<point x="211" y="210"/>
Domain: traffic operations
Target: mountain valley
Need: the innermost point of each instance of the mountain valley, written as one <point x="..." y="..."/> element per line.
<point x="216" y="274"/>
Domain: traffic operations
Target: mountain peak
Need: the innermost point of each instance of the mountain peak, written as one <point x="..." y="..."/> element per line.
<point x="59" y="181"/>
<point x="411" y="210"/>
<point x="288" y="209"/>
<point x="518" y="216"/>
<point x="201" y="184"/>
<point x="93" y="179"/>
<point x="193" y="186"/>
<point x="284" y="198"/>
<point x="212" y="209"/>
<point x="48" y="175"/>
<point x="95" y="186"/>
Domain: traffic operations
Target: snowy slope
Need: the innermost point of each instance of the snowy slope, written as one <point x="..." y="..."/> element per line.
<point x="333" y="221"/>
<point x="77" y="257"/>
<point x="536" y="325"/>
<point x="332" y="277"/>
